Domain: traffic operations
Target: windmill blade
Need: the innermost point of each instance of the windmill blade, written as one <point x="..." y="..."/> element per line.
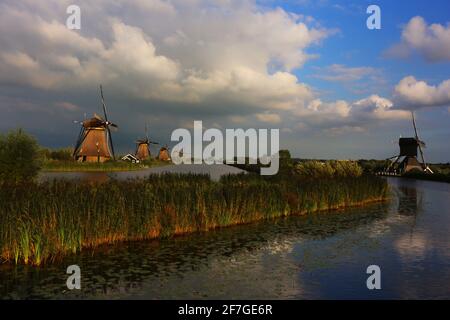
<point x="414" y="125"/>
<point x="79" y="141"/>
<point x="111" y="142"/>
<point x="146" y="131"/>
<point x="103" y="104"/>
<point x="419" y="142"/>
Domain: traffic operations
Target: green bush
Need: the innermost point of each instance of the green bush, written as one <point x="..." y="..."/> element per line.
<point x="19" y="157"/>
<point x="328" y="169"/>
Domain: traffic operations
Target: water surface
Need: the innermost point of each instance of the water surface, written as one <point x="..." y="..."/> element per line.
<point x="321" y="256"/>
<point x="215" y="171"/>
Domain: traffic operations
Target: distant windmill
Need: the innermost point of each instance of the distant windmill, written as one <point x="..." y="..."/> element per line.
<point x="143" y="146"/>
<point x="164" y="154"/>
<point x="408" y="151"/>
<point x="94" y="143"/>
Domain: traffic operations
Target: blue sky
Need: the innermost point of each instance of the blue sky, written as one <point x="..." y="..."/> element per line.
<point x="312" y="69"/>
<point x="355" y="45"/>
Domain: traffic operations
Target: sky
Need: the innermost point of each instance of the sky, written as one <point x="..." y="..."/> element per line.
<point x="334" y="88"/>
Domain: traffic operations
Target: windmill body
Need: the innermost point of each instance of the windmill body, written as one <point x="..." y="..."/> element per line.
<point x="407" y="160"/>
<point x="93" y="145"/>
<point x="408" y="150"/>
<point x="94" y="142"/>
<point x="143" y="147"/>
<point x="143" y="151"/>
<point x="164" y="154"/>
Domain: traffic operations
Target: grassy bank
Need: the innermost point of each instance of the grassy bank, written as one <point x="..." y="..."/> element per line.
<point x="109" y="166"/>
<point x="42" y="222"/>
<point x="439" y="177"/>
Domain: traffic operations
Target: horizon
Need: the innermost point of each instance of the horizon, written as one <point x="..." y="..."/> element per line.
<point x="334" y="88"/>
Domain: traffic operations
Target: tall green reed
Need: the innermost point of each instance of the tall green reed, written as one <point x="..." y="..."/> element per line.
<point x="41" y="222"/>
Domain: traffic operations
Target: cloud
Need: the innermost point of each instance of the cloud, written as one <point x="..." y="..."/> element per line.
<point x="159" y="50"/>
<point x="269" y="117"/>
<point x="67" y="106"/>
<point x="336" y="131"/>
<point x="339" y="72"/>
<point x="229" y="63"/>
<point x="377" y="108"/>
<point x="410" y="93"/>
<point x="339" y="117"/>
<point x="432" y="42"/>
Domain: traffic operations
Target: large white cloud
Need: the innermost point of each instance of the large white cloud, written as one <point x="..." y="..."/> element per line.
<point x="410" y="93"/>
<point x="204" y="51"/>
<point x="341" y="116"/>
<point x="430" y="41"/>
<point x="230" y="59"/>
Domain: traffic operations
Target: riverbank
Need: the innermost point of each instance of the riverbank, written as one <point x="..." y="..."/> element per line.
<point x="41" y="222"/>
<point x="438" y="177"/>
<point x="109" y="166"/>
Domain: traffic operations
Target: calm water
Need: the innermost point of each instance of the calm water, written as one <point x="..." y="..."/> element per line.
<point x="322" y="256"/>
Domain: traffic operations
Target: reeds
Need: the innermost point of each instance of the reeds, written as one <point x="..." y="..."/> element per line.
<point x="42" y="222"/>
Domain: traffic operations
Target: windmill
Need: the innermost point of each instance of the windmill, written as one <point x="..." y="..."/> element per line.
<point x="164" y="154"/>
<point x="408" y="151"/>
<point x="94" y="143"/>
<point x="143" y="146"/>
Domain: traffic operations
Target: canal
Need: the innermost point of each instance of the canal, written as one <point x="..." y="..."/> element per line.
<point x="321" y="256"/>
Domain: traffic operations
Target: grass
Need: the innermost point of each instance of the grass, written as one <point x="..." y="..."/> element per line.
<point x="41" y="222"/>
<point x="109" y="166"/>
<point x="61" y="160"/>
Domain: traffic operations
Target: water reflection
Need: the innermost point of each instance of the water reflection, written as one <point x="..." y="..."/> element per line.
<point x="215" y="171"/>
<point x="318" y="256"/>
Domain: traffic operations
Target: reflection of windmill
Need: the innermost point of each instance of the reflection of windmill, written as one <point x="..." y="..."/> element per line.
<point x="94" y="143"/>
<point x="164" y="154"/>
<point x="408" y="150"/>
<point x="143" y="146"/>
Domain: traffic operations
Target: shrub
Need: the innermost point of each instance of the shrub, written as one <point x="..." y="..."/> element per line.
<point x="328" y="169"/>
<point x="19" y="157"/>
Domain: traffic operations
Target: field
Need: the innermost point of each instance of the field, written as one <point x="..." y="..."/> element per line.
<point x="61" y="160"/>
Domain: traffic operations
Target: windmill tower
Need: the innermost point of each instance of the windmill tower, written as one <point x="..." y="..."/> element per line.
<point x="408" y="151"/>
<point x="143" y="146"/>
<point x="94" y="143"/>
<point x="164" y="154"/>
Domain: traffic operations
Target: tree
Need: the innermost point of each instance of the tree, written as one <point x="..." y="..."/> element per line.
<point x="19" y="157"/>
<point x="286" y="163"/>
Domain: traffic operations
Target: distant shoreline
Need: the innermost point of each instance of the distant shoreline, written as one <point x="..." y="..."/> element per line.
<point x="99" y="167"/>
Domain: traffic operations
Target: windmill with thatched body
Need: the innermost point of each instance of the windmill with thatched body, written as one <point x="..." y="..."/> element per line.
<point x="408" y="151"/>
<point x="164" y="154"/>
<point x="143" y="146"/>
<point x="94" y="143"/>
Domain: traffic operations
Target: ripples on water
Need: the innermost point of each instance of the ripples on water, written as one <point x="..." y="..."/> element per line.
<point x="319" y="256"/>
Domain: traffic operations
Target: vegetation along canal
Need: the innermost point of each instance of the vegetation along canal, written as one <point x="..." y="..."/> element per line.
<point x="322" y="255"/>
